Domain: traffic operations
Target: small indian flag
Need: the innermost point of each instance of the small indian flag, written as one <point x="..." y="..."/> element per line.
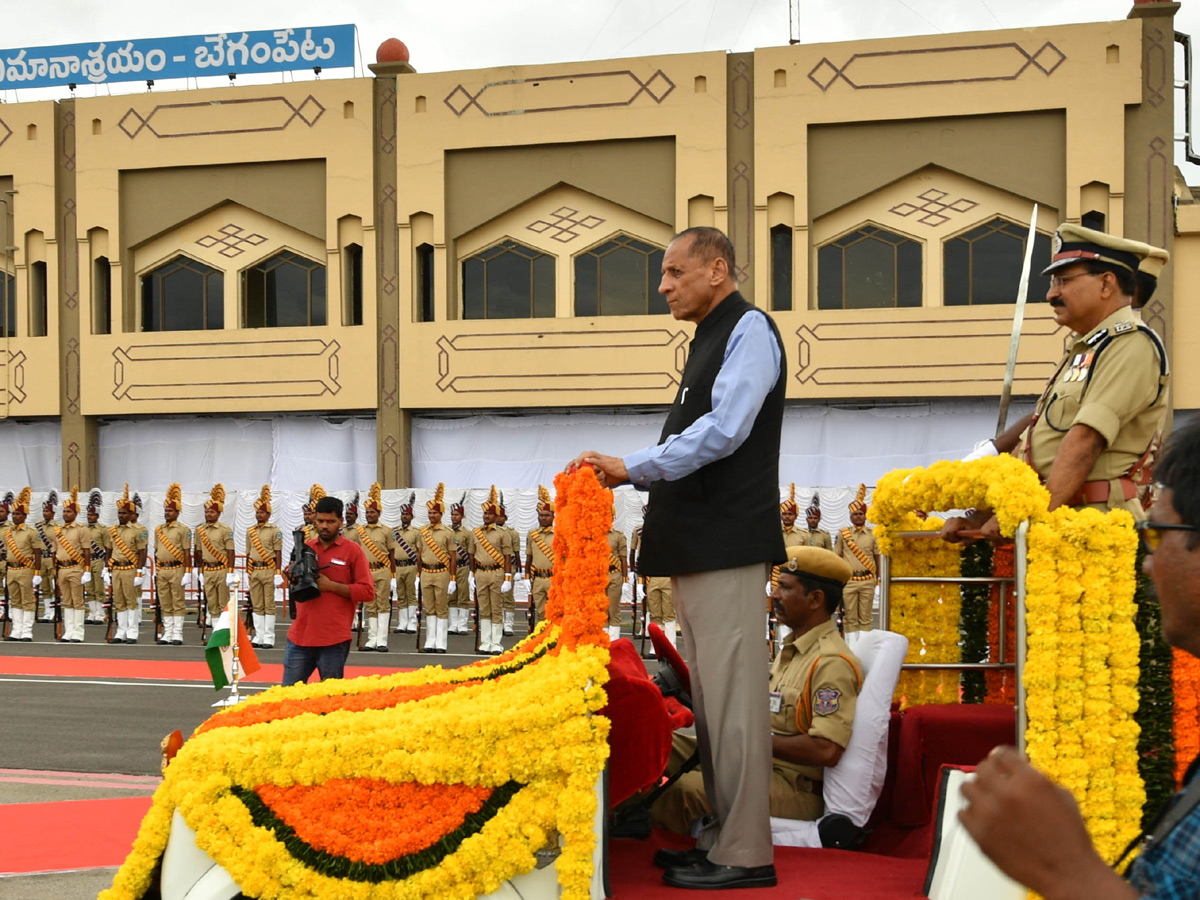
<point x="219" y="652"/>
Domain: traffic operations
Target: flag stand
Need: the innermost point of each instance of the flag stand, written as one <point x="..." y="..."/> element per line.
<point x="236" y="670"/>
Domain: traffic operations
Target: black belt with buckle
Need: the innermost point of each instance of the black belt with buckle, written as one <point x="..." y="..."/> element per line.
<point x="261" y="565"/>
<point x="375" y="566"/>
<point x="433" y="568"/>
<point x="403" y="565"/>
<point x="169" y="565"/>
<point x="479" y="568"/>
<point x="543" y="573"/>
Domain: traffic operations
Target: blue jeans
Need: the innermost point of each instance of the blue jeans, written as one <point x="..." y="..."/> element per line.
<point x="299" y="662"/>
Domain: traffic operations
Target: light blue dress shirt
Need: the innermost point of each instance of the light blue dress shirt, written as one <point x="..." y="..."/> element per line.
<point x="748" y="371"/>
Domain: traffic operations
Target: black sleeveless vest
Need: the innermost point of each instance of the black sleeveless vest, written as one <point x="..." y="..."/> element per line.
<point x="726" y="514"/>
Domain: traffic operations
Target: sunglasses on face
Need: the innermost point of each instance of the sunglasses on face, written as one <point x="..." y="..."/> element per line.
<point x="1151" y="532"/>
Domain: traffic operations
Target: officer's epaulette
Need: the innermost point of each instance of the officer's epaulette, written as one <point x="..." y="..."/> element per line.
<point x="1124" y="327"/>
<point x="1097" y="337"/>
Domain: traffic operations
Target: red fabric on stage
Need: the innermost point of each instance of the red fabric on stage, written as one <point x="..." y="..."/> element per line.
<point x="640" y="739"/>
<point x="957" y="734"/>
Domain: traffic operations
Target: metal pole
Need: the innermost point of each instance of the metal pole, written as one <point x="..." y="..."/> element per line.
<point x="1020" y="566"/>
<point x="885" y="586"/>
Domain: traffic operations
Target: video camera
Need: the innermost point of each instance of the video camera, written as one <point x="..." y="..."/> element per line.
<point x="302" y="575"/>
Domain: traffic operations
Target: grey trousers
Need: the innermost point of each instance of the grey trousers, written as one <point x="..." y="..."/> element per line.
<point x="721" y="614"/>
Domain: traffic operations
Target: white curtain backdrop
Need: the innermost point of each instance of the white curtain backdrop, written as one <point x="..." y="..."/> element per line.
<point x="30" y="453"/>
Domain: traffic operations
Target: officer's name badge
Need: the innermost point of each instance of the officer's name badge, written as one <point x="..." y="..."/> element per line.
<point x="776" y="701"/>
<point x="827" y="701"/>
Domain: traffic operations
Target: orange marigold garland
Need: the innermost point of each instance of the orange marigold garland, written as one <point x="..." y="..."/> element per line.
<point x="577" y="599"/>
<point x="1001" y="684"/>
<point x="1185" y="677"/>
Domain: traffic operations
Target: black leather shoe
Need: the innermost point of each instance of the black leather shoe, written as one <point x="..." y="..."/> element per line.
<point x="382" y="649"/>
<point x="679" y="859"/>
<point x="707" y="876"/>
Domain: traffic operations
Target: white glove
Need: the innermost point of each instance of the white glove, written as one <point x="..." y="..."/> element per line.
<point x="529" y="584"/>
<point x="187" y="579"/>
<point x="200" y="579"/>
<point x="982" y="451"/>
<point x="37" y="579"/>
<point x="506" y="587"/>
<point x="278" y="580"/>
<point x="769" y="591"/>
<point x="106" y="575"/>
<point x="471" y="582"/>
<point x="86" y="579"/>
<point x="231" y="579"/>
<point x="393" y="585"/>
<point x="138" y="578"/>
<point x="451" y="587"/>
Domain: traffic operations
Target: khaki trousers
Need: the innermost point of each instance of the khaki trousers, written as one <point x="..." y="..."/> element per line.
<point x="614" y="598"/>
<point x="216" y="593"/>
<point x="170" y="590"/>
<point x="487" y="587"/>
<point x="539" y="592"/>
<point x="383" y="592"/>
<point x="20" y="589"/>
<point x="70" y="586"/>
<point x="93" y="591"/>
<point x="659" y="600"/>
<point x="46" y="589"/>
<point x="124" y="595"/>
<point x="433" y="594"/>
<point x="858" y="599"/>
<point x="463" y="599"/>
<point x="722" y="622"/>
<point x="262" y="591"/>
<point x="406" y="586"/>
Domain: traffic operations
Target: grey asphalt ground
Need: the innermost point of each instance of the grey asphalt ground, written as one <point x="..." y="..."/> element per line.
<point x="114" y="726"/>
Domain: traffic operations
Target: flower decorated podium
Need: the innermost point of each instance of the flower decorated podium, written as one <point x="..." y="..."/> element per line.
<point x="480" y="781"/>
<point x="1070" y="629"/>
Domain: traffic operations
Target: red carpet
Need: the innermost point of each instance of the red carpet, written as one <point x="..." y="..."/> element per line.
<point x="153" y="670"/>
<point x="71" y="834"/>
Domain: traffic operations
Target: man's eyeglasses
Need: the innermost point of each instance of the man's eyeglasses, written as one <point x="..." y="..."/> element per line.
<point x="1058" y="281"/>
<point x="1151" y="532"/>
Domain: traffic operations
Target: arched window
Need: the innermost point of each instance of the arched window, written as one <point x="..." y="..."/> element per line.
<point x="619" y="277"/>
<point x="183" y="295"/>
<point x="983" y="265"/>
<point x="284" y="290"/>
<point x="508" y="281"/>
<point x="869" y="268"/>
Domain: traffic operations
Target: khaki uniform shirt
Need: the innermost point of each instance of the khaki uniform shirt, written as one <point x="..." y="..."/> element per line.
<point x="534" y="555"/>
<point x="514" y="538"/>
<point x="411" y="536"/>
<point x="27" y="541"/>
<point x="101" y="540"/>
<point x="865" y="539"/>
<point x="442" y="537"/>
<point x="350" y="533"/>
<point x="76" y="535"/>
<point x="45" y="533"/>
<point x="221" y="537"/>
<point x="135" y="538"/>
<point x="500" y="540"/>
<point x="826" y="710"/>
<point x="1122" y="397"/>
<point x="270" y="537"/>
<point x="462" y="540"/>
<point x="381" y="536"/>
<point x="179" y="535"/>
<point x="817" y="538"/>
<point x="618" y="550"/>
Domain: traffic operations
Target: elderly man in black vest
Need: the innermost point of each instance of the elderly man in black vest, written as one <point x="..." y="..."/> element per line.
<point x="718" y="459"/>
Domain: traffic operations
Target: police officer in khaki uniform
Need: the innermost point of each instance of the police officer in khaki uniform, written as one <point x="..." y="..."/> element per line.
<point x="101" y="544"/>
<point x="23" y="550"/>
<point x="379" y="547"/>
<point x="315" y="493"/>
<point x="437" y="567"/>
<point x="856" y="545"/>
<point x="461" y="603"/>
<point x="789" y="509"/>
<point x="407" y="543"/>
<point x="539" y="555"/>
<point x="214" y="555"/>
<point x="5" y="505"/>
<point x="127" y="563"/>
<point x="172" y="566"/>
<point x="656" y="591"/>
<point x="814" y="687"/>
<point x="618" y="553"/>
<point x="812" y="516"/>
<point x="73" y="563"/>
<point x="350" y="522"/>
<point x="45" y="531"/>
<point x="1098" y="424"/>
<point x="490" y="548"/>
<point x="264" y="558"/>
<point x="508" y="601"/>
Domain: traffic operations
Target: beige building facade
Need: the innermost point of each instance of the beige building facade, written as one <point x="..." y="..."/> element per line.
<point x="416" y="243"/>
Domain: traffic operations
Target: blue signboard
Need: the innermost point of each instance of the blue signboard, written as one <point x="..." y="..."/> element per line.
<point x="195" y="56"/>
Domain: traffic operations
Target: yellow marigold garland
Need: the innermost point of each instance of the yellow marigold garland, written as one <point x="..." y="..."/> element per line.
<point x="524" y="721"/>
<point x="1081" y="669"/>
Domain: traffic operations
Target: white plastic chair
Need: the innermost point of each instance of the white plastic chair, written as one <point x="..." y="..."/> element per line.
<point x="852" y="787"/>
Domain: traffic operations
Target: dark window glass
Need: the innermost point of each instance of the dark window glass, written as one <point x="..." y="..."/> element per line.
<point x="287" y="290"/>
<point x="781" y="267"/>
<point x="983" y="265"/>
<point x="101" y="296"/>
<point x="425" y="282"/>
<point x="869" y="268"/>
<point x="38" y="300"/>
<point x="619" y="277"/>
<point x="353" y="296"/>
<point x="8" y="305"/>
<point x="183" y="295"/>
<point x="508" y="281"/>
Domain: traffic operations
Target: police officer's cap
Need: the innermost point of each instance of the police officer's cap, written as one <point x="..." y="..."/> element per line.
<point x="817" y="562"/>
<point x="1075" y="244"/>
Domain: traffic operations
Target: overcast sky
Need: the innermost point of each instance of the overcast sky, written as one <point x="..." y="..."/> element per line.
<point x="470" y="34"/>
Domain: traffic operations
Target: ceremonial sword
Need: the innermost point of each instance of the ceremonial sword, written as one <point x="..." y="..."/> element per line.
<point x="1018" y="320"/>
